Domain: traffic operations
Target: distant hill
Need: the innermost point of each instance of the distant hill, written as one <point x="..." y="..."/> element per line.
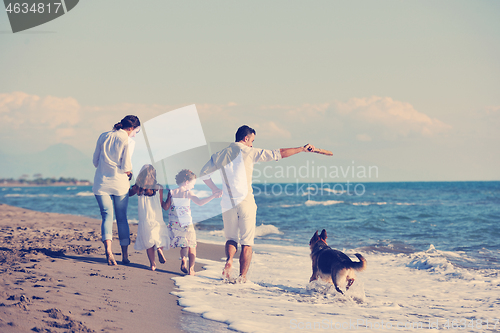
<point x="60" y="160"/>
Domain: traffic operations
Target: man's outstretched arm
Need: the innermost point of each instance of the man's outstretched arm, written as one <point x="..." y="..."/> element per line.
<point x="287" y="152"/>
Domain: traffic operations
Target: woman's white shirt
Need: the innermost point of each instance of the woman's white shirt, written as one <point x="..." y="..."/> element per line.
<point x="112" y="160"/>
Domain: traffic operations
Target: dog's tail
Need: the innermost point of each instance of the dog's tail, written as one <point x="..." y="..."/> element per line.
<point x="359" y="265"/>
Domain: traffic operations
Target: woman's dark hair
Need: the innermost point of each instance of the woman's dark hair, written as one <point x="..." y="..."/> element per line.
<point x="184" y="175"/>
<point x="146" y="181"/>
<point x="127" y="122"/>
<point x="243" y="131"/>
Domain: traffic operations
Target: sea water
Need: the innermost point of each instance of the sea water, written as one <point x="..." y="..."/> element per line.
<point x="433" y="253"/>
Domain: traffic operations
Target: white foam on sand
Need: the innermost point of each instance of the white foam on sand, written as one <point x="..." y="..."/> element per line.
<point x="418" y="290"/>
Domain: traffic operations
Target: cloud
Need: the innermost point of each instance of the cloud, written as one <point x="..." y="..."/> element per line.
<point x="19" y="109"/>
<point x="32" y="123"/>
<point x="358" y="119"/>
<point x="391" y="118"/>
<point x="493" y="109"/>
<point x="269" y="130"/>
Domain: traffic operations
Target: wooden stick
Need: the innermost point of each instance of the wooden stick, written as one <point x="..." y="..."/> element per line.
<point x="321" y="151"/>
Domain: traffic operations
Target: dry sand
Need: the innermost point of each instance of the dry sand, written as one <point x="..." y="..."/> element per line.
<point x="54" y="278"/>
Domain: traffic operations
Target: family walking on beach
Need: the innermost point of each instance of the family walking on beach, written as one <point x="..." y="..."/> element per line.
<point x="239" y="210"/>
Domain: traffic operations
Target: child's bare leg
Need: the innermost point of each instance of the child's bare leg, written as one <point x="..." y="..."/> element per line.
<point x="151" y="257"/>
<point x="161" y="257"/>
<point x="184" y="252"/>
<point x="192" y="259"/>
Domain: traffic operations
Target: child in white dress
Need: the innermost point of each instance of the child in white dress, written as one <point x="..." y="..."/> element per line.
<point x="151" y="231"/>
<point x="181" y="226"/>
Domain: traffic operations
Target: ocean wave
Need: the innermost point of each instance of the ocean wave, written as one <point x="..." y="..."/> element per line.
<point x="85" y="194"/>
<point x="368" y="203"/>
<point x="260" y="231"/>
<point x="321" y="189"/>
<point x="201" y="193"/>
<point x="71" y="188"/>
<point x="266" y="229"/>
<point x="324" y="203"/>
<point x="19" y="195"/>
<point x="450" y="264"/>
<point x="217" y="233"/>
<point x="288" y="206"/>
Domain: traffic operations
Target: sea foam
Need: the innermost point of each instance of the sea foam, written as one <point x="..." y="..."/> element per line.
<point x="324" y="203"/>
<point x="391" y="291"/>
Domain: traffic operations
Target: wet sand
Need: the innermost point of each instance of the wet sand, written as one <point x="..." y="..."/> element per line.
<point x="54" y="278"/>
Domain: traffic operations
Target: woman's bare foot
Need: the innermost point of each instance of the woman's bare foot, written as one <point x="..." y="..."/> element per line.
<point x="161" y="257"/>
<point x="184" y="265"/>
<point x="191" y="271"/>
<point x="110" y="259"/>
<point x="153" y="266"/>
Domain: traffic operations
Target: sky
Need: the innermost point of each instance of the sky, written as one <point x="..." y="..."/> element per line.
<point x="409" y="87"/>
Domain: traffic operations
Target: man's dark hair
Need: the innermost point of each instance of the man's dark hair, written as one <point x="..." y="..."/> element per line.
<point x="243" y="131"/>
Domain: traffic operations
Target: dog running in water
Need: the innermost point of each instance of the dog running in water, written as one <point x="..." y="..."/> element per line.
<point x="333" y="265"/>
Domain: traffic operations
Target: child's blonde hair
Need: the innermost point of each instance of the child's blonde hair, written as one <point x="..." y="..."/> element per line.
<point x="146" y="181"/>
<point x="184" y="175"/>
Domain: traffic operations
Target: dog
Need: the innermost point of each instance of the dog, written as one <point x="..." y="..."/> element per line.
<point x="333" y="265"/>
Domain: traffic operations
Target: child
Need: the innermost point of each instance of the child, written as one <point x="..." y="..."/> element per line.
<point x="181" y="227"/>
<point x="151" y="231"/>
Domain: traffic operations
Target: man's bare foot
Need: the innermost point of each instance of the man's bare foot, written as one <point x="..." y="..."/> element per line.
<point x="241" y="279"/>
<point x="161" y="257"/>
<point x="184" y="265"/>
<point x="110" y="259"/>
<point x="226" y="272"/>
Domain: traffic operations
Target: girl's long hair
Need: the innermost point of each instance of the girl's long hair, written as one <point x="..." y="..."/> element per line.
<point x="146" y="181"/>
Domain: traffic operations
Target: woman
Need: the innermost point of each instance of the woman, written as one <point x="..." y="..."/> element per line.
<point x="112" y="182"/>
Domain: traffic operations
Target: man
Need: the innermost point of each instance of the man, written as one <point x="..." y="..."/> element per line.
<point x="239" y="210"/>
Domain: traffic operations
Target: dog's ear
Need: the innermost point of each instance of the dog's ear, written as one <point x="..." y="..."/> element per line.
<point x="314" y="238"/>
<point x="323" y="235"/>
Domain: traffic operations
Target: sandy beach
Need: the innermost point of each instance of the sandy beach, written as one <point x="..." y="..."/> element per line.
<point x="54" y="278"/>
